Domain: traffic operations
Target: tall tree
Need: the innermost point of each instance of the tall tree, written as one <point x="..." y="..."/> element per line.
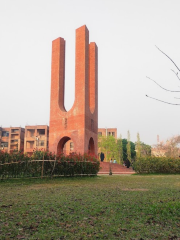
<point x="108" y="145"/>
<point x="128" y="146"/>
<point x="138" y="147"/>
<point x="145" y="149"/>
<point x="133" y="152"/>
<point x="120" y="148"/>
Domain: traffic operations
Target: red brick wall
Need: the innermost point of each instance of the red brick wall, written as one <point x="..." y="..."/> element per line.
<point x="81" y="122"/>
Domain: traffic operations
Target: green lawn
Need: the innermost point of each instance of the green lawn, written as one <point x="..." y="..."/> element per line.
<point x="103" y="207"/>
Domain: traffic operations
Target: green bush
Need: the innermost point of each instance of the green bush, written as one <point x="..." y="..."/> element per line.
<point x="44" y="163"/>
<point x="157" y="165"/>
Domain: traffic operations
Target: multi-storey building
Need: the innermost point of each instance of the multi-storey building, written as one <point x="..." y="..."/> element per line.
<point x="107" y="132"/>
<point x="4" y="139"/>
<point x="36" y="137"/>
<point x="104" y="132"/>
<point x="12" y="139"/>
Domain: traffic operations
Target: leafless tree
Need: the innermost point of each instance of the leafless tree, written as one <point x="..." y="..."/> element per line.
<point x="169" y="148"/>
<point x="177" y="74"/>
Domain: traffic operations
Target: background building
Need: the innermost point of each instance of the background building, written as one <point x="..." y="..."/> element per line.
<point x="107" y="132"/>
<point x="12" y="139"/>
<point x="36" y="137"/>
<point x="104" y="132"/>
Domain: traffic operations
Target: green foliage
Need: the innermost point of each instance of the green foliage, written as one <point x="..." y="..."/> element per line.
<point x="128" y="147"/>
<point x="133" y="152"/>
<point x="108" y="145"/>
<point x="145" y="150"/>
<point x="12" y="157"/>
<point x="142" y="149"/>
<point x="46" y="164"/>
<point x="120" y="148"/>
<point x="40" y="155"/>
<point x="157" y="165"/>
<point x="116" y="149"/>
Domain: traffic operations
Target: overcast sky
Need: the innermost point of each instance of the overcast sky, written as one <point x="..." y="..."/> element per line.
<point x="126" y="32"/>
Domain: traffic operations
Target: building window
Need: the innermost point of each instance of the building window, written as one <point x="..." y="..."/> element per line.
<point x="5" y="134"/>
<point x="71" y="146"/>
<point x="14" y="130"/>
<point x="30" y="144"/>
<point x="99" y="133"/>
<point x="41" y="132"/>
<point x="40" y="143"/>
<point x="111" y="134"/>
<point x="30" y="132"/>
<point x="4" y="145"/>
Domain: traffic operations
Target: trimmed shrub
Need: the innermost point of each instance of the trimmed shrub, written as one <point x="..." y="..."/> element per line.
<point x="157" y="165"/>
<point x="43" y="163"/>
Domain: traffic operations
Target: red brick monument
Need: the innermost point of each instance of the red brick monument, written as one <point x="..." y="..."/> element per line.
<point x="80" y="123"/>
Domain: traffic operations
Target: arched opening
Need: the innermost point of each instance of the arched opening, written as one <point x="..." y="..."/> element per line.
<point x="68" y="147"/>
<point x="91" y="146"/>
<point x="65" y="146"/>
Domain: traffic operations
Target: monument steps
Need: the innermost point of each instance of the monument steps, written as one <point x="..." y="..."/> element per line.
<point x="115" y="168"/>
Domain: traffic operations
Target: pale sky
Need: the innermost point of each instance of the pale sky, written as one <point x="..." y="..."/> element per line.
<point x="126" y="32"/>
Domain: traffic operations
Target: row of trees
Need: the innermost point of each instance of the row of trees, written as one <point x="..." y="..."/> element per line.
<point x="122" y="149"/>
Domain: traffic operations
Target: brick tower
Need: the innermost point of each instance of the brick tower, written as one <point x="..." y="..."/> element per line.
<point x="80" y="123"/>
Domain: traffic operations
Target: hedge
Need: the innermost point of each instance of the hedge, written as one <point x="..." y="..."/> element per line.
<point x="157" y="165"/>
<point x="46" y="164"/>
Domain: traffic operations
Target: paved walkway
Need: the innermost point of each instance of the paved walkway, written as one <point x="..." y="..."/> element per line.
<point x="115" y="168"/>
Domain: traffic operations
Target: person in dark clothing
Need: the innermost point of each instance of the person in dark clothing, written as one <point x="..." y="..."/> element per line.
<point x="128" y="163"/>
<point x="102" y="156"/>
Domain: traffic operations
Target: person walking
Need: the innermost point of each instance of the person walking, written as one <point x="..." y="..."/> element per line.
<point x="102" y="156"/>
<point x="128" y="163"/>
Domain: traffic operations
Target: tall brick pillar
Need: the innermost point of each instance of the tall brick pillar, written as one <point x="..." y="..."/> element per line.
<point x="80" y="123"/>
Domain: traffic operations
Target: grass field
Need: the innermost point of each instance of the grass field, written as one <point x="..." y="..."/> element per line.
<point x="102" y="207"/>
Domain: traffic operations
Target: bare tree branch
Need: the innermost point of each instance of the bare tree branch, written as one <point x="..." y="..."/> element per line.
<point x="162" y="101"/>
<point x="168" y="57"/>
<point x="161" y="86"/>
<point x="175" y="74"/>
